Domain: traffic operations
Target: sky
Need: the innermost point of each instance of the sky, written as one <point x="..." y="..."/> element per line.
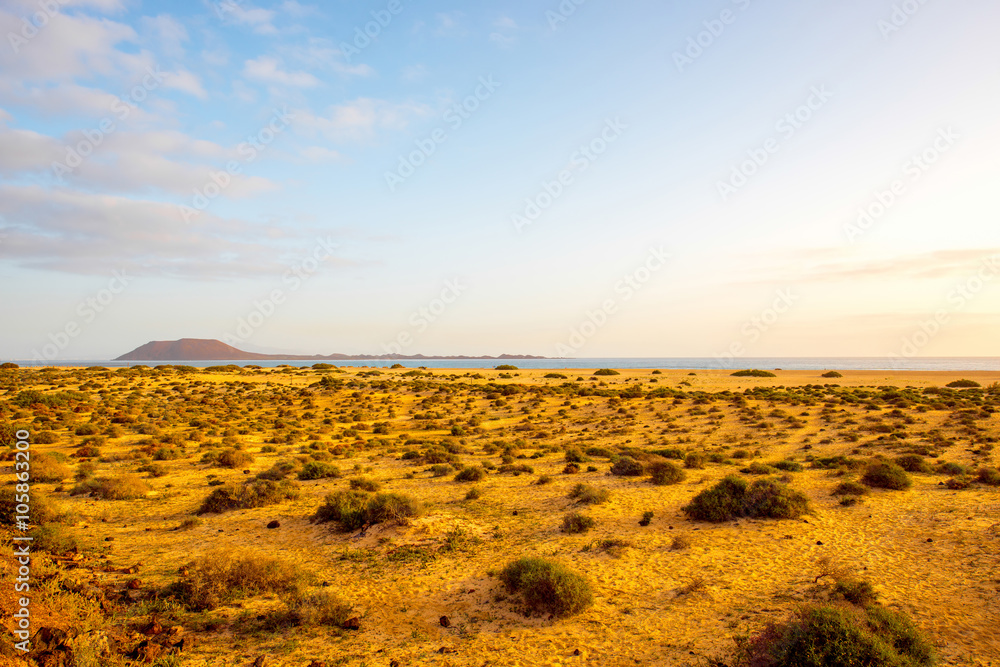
<point x="732" y="178"/>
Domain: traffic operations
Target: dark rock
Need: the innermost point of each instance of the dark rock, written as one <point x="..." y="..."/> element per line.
<point x="109" y="539"/>
<point x="352" y="624"/>
<point x="445" y="649"/>
<point x="515" y="512"/>
<point x="576" y="651"/>
<point x="445" y="622"/>
<point x="819" y="542"/>
<point x="274" y="524"/>
<point x="930" y="539"/>
<point x="134" y="584"/>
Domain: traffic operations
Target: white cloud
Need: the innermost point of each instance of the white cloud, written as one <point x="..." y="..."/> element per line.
<point x="169" y="34"/>
<point x="320" y="154"/>
<point x="267" y="69"/>
<point x="414" y="73"/>
<point x="259" y="20"/>
<point x="360" y="119"/>
<point x="185" y="81"/>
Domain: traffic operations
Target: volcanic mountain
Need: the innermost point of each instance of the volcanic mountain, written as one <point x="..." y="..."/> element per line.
<point x="204" y="349"/>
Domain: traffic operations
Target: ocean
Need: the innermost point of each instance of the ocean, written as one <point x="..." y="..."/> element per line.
<point x="694" y="363"/>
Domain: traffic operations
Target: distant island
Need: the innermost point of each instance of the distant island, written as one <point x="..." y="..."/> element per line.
<point x="204" y="349"/>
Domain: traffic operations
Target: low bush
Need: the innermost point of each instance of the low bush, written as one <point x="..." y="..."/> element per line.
<point x="758" y="468"/>
<point x="54" y="538"/>
<point x="949" y="468"/>
<point x="575" y="522"/>
<point x="753" y="373"/>
<point x="310" y="471"/>
<point x="47" y="468"/>
<point x="833" y="374"/>
<point x="589" y="495"/>
<point x="121" y="487"/>
<point x="838" y="634"/>
<point x="441" y="469"/>
<point x="258" y="493"/>
<point x="233" y="458"/>
<point x="470" y="474"/>
<point x="850" y="489"/>
<point x="547" y="587"/>
<point x="733" y="498"/>
<point x="606" y="372"/>
<point x="963" y="384"/>
<point x="959" y="483"/>
<point x="988" y="476"/>
<point x="913" y="463"/>
<point x="354" y="509"/>
<point x="694" y="460"/>
<point x="40" y="510"/>
<point x="475" y="493"/>
<point x="364" y="484"/>
<point x="647" y="518"/>
<point x="626" y="466"/>
<point x="666" y="472"/>
<point x="223" y="575"/>
<point x="883" y="475"/>
<point x="788" y="466"/>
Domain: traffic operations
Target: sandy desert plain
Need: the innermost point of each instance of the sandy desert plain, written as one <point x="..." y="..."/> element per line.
<point x="401" y="497"/>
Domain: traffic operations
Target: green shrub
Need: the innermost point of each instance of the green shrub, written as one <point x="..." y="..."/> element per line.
<point x="606" y="371"/>
<point x="754" y="373"/>
<point x="154" y="469"/>
<point x="392" y="507"/>
<point x="344" y="507"/>
<point x="626" y="466"/>
<point x="364" y="484"/>
<point x="311" y="470"/>
<point x="837" y="635"/>
<point x="694" y="460"/>
<point x="849" y="489"/>
<point x="573" y="455"/>
<point x="589" y="495"/>
<point x="45" y="438"/>
<point x="788" y="466"/>
<point x="233" y="458"/>
<point x="54" y="538"/>
<point x="733" y="498"/>
<point x="833" y="374"/>
<point x="949" y="468"/>
<point x="39" y="509"/>
<point x="886" y="476"/>
<point x="989" y="476"/>
<point x="647" y="518"/>
<point x="856" y="591"/>
<point x="666" y="472"/>
<point x="505" y="367"/>
<point x="758" y="468"/>
<point x="223" y="575"/>
<point x="475" y="493"/>
<point x="963" y="384"/>
<point x="470" y="474"/>
<point x="547" y="587"/>
<point x="47" y="468"/>
<point x="441" y="469"/>
<point x="913" y="463"/>
<point x="959" y="483"/>
<point x="575" y="522"/>
<point x="258" y="493"/>
<point x="121" y="487"/>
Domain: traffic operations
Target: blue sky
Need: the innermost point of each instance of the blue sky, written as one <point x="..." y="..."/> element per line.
<point x="592" y="179"/>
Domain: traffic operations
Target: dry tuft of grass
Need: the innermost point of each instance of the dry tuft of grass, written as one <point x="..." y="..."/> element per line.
<point x="223" y="575"/>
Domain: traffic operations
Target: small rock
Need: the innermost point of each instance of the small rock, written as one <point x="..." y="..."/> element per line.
<point x="134" y="584"/>
<point x="929" y="539"/>
<point x="819" y="542"/>
<point x="246" y="472"/>
<point x="352" y="624"/>
<point x="274" y="524"/>
<point x="515" y="512"/>
<point x="576" y="651"/>
<point x="668" y="528"/>
<point x="445" y="649"/>
<point x="109" y="539"/>
<point x="445" y="622"/>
